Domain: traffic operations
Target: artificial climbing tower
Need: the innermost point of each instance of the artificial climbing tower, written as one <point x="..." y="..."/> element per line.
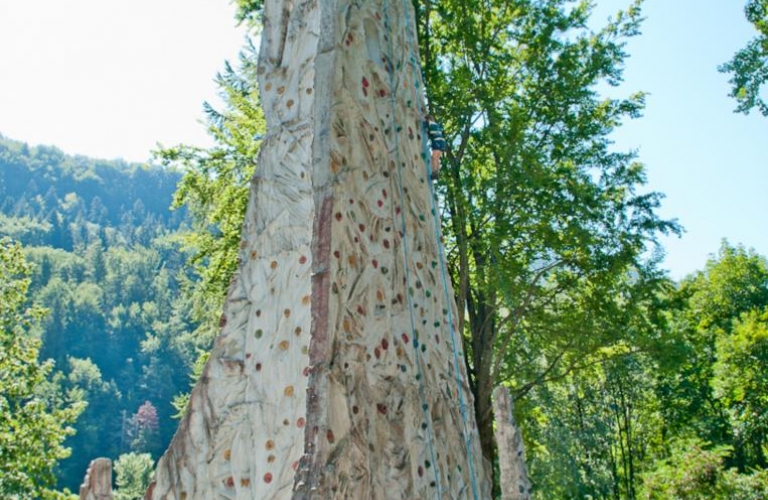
<point x="338" y="372"/>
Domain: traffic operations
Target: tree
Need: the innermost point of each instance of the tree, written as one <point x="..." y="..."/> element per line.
<point x="133" y="473"/>
<point x="35" y="417"/>
<point x="696" y="471"/>
<point x="749" y="66"/>
<point x="548" y="228"/>
<point x="719" y="320"/>
<point x="98" y="428"/>
<point x="741" y="384"/>
<point x="144" y="426"/>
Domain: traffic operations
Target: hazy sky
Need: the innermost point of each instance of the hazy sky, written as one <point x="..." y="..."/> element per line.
<point x="111" y="78"/>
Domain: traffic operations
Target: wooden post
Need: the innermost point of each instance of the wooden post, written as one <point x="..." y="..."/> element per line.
<point x="512" y="471"/>
<point x="97" y="484"/>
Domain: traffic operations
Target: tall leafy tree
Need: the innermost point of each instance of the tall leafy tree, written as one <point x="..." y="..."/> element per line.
<point x="548" y="228"/>
<point x="133" y="473"/>
<point x="35" y="417"/>
<point x="720" y="322"/>
<point x="749" y="66"/>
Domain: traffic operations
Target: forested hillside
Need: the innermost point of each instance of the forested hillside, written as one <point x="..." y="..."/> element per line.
<point x="627" y="384"/>
<point x="107" y="267"/>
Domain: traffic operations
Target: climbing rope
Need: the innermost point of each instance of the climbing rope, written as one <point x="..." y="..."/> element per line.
<point x="404" y="236"/>
<point x="441" y="255"/>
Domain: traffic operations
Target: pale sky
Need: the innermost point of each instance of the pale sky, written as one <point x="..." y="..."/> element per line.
<point x="112" y="78"/>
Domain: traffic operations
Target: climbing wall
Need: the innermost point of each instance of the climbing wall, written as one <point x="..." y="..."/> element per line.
<point x="338" y="373"/>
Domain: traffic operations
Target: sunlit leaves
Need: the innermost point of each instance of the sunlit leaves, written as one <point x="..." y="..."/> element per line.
<point x="35" y="417"/>
<point x="749" y="66"/>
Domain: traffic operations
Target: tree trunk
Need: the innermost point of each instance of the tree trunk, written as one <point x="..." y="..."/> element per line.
<point x="338" y="372"/>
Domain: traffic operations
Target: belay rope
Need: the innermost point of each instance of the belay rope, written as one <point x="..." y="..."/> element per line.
<point x="413" y="62"/>
<point x="401" y="194"/>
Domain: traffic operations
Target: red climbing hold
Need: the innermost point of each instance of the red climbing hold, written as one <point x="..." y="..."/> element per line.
<point x="365" y="82"/>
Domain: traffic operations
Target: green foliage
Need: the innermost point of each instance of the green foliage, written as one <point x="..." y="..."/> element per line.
<point x="49" y="198"/>
<point x="133" y="473"/>
<point x="590" y="434"/>
<point x="740" y="383"/>
<point x="109" y="270"/>
<point x="695" y="471"/>
<point x="719" y="321"/>
<point x="35" y="416"/>
<point x="749" y="66"/>
<point x="550" y="234"/>
<point x="214" y="189"/>
<point x="249" y="11"/>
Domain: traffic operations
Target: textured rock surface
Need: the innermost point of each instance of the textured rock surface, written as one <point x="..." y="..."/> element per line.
<point x="98" y="481"/>
<point x="512" y="470"/>
<point x="335" y="375"/>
